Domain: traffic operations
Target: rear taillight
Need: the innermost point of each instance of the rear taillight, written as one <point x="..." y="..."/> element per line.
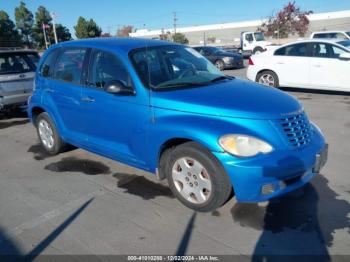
<point x="250" y="61"/>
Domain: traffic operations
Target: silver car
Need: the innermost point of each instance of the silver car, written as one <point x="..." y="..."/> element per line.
<point x="17" y="70"/>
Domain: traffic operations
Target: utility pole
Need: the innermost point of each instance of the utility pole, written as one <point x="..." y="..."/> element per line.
<point x="175" y="20"/>
<point x="53" y="16"/>
<point x="44" y="31"/>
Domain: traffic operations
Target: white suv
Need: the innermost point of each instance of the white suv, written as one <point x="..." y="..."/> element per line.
<point x="341" y="35"/>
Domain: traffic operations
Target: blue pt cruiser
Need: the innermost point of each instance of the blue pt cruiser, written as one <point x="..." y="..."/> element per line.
<point x="164" y="108"/>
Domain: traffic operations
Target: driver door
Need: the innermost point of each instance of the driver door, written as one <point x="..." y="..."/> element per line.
<point x="116" y="124"/>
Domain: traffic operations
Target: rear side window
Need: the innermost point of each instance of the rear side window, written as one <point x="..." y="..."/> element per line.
<point x="105" y="67"/>
<point x="46" y="69"/>
<point x="15" y="64"/>
<point x="293" y="50"/>
<point x="69" y="65"/>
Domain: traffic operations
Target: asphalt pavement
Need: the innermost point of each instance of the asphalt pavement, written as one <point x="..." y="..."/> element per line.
<point x="80" y="203"/>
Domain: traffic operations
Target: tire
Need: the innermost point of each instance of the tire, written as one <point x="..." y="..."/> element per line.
<point x="44" y="124"/>
<point x="268" y="78"/>
<point x="207" y="176"/>
<point x="220" y="64"/>
<point x="258" y="50"/>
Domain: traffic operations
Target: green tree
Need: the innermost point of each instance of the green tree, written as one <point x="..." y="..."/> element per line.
<point x="63" y="33"/>
<point x="180" y="38"/>
<point x="24" y="21"/>
<point x="8" y="34"/>
<point x="87" y="28"/>
<point x="42" y="16"/>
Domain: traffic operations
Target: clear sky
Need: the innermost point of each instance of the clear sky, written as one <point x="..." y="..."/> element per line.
<point x="155" y="14"/>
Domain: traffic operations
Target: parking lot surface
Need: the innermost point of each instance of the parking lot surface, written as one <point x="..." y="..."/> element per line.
<point x="80" y="203"/>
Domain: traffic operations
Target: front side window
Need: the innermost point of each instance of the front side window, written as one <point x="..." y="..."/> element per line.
<point x="293" y="50"/>
<point x="160" y="67"/>
<point x="69" y="65"/>
<point x="105" y="67"/>
<point x="15" y="64"/>
<point x="324" y="50"/>
<point x="249" y="37"/>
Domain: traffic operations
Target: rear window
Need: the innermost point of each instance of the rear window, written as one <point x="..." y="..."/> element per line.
<point x="12" y="63"/>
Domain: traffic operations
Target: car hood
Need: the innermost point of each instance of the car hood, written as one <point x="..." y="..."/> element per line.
<point x="229" y="98"/>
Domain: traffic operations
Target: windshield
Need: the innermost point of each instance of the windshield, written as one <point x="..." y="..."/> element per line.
<point x="168" y="66"/>
<point x="259" y="36"/>
<point x="345" y="43"/>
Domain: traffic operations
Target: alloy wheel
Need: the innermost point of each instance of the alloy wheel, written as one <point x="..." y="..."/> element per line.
<point x="267" y="80"/>
<point x="46" y="134"/>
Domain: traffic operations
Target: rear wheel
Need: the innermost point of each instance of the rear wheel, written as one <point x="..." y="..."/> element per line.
<point x="268" y="78"/>
<point x="196" y="177"/>
<point x="48" y="135"/>
<point x="220" y="64"/>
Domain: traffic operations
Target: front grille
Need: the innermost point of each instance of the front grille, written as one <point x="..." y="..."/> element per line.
<point x="297" y="129"/>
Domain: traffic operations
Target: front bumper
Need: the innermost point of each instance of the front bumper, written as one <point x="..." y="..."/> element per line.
<point x="279" y="172"/>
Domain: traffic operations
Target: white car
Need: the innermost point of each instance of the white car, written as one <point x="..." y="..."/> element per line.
<point x="316" y="64"/>
<point x="340" y="35"/>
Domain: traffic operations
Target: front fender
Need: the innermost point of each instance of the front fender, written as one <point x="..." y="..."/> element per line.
<point x="203" y="129"/>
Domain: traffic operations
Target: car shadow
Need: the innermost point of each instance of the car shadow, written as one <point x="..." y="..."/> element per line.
<point x="301" y="223"/>
<point x="6" y="124"/>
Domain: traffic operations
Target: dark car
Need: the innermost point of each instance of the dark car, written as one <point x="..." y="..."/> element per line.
<point x="221" y="58"/>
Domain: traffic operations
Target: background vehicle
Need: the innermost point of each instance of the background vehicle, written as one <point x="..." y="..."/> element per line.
<point x="341" y="35"/>
<point x="17" y="70"/>
<point x="164" y="108"/>
<point x="317" y="64"/>
<point x="221" y="58"/>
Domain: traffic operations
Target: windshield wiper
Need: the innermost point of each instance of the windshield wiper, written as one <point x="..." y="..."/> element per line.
<point x="221" y="78"/>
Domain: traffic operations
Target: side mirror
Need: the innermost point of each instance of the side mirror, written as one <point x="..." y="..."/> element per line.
<point x="344" y="56"/>
<point x="117" y="87"/>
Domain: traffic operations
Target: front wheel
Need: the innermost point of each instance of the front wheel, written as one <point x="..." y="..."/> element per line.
<point x="197" y="178"/>
<point x="48" y="135"/>
<point x="268" y="78"/>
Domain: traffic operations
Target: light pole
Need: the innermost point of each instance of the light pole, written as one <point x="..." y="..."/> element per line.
<point x="53" y="16"/>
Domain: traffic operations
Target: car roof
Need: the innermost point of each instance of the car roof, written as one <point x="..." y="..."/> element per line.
<point x="124" y="43"/>
<point x="327" y="32"/>
<point x="329" y="41"/>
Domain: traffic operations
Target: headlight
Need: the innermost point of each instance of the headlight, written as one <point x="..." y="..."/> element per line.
<point x="244" y="146"/>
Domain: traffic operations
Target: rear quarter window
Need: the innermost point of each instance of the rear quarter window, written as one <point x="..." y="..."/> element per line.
<point x="46" y="69"/>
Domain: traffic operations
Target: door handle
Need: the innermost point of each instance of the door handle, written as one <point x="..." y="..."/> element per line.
<point x="280" y="63"/>
<point x="317" y="65"/>
<point x="22" y="75"/>
<point x="87" y="99"/>
<point x="49" y="90"/>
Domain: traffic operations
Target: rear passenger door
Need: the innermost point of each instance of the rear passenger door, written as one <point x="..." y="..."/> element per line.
<point x="115" y="124"/>
<point x="64" y="90"/>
